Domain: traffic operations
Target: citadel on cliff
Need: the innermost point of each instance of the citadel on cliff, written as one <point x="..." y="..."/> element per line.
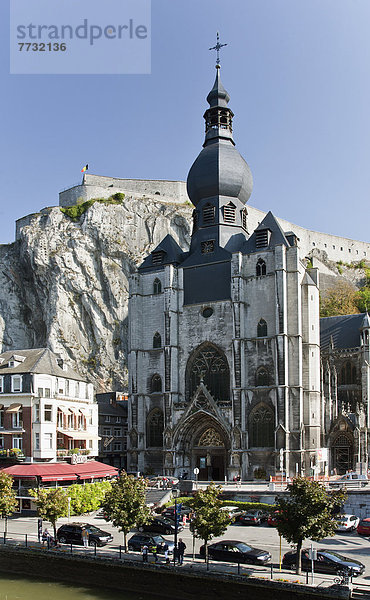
<point x="228" y="360"/>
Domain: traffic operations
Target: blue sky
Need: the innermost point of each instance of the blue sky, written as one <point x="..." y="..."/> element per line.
<point x="298" y="76"/>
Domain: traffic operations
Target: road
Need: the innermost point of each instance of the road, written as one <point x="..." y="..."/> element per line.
<point x="349" y="544"/>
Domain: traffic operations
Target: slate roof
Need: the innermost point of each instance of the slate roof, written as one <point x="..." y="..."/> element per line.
<point x="173" y="254"/>
<point x="343" y="329"/>
<point x="39" y="360"/>
<point x="277" y="235"/>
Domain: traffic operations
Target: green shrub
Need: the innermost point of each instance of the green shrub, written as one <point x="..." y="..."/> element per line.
<point x="76" y="211"/>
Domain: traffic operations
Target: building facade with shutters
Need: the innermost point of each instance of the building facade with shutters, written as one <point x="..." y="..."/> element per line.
<point x="224" y="340"/>
<point x="47" y="411"/>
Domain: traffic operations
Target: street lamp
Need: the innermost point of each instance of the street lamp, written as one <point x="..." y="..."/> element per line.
<point x="175" y="494"/>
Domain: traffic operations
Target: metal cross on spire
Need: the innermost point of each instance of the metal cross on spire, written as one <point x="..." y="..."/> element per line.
<point x="217" y="47"/>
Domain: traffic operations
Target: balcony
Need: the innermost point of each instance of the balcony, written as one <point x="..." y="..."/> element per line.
<point x="64" y="452"/>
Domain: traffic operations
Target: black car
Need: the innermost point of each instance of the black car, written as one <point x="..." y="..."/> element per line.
<point x="253" y="517"/>
<point x="71" y="533"/>
<point x="234" y="551"/>
<point x="327" y="562"/>
<point x="138" y="540"/>
<point x="169" y="513"/>
<point x="161" y="525"/>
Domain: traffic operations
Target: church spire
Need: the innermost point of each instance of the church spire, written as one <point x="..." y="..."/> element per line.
<point x="218" y="117"/>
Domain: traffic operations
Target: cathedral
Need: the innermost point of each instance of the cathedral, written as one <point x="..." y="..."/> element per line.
<point x="231" y="369"/>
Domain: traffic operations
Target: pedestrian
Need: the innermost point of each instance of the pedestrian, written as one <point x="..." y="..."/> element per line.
<point x="154" y="551"/>
<point x="145" y="552"/>
<point x="165" y="549"/>
<point x="181" y="547"/>
<point x="46" y="537"/>
<point x="238" y="481"/>
<point x="85" y="537"/>
<point x="184" y="521"/>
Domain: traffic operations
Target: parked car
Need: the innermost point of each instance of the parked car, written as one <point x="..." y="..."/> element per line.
<point x="326" y="562"/>
<point x="350" y="480"/>
<point x="234" y="512"/>
<point x="161" y="525"/>
<point x="253" y="517"/>
<point x="169" y="512"/>
<point x="347" y="522"/>
<point x="71" y="533"/>
<point x="235" y="551"/>
<point x="363" y="528"/>
<point x="271" y="520"/>
<point x="138" y="540"/>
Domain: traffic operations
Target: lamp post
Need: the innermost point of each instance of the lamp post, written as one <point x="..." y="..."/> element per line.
<point x="175" y="493"/>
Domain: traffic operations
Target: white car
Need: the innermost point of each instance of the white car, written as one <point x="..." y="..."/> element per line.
<point x="347" y="522"/>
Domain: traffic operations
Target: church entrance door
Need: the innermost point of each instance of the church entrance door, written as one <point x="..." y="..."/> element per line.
<point x="211" y="464"/>
<point x="342" y="454"/>
<point x="209" y="455"/>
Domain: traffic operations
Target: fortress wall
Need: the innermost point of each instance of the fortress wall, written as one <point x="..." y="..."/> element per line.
<point x="97" y="186"/>
<point x="312" y="243"/>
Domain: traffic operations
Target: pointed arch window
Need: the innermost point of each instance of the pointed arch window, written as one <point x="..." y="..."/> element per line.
<point x="154" y="429"/>
<point x="157" y="340"/>
<point x="261" y="427"/>
<point x="262" y="328"/>
<point x="156" y="383"/>
<point x="208" y="214"/>
<point x="262" y="377"/>
<point x="260" y="268"/>
<point x="209" y="364"/>
<point x="229" y="212"/>
<point x="348" y="374"/>
<point x="157" y="286"/>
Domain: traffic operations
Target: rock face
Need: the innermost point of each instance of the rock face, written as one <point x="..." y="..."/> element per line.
<point x="64" y="284"/>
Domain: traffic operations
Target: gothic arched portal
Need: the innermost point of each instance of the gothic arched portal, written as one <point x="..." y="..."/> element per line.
<point x="208" y="364"/>
<point x="205" y="440"/>
<point x="342" y="453"/>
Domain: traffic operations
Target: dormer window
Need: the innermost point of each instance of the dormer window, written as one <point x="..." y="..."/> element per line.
<point x="15" y="360"/>
<point x="207" y="247"/>
<point x="229" y="212"/>
<point x="208" y="214"/>
<point x="158" y="257"/>
<point x="262" y="238"/>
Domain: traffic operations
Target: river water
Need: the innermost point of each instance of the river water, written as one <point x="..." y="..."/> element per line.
<point x="20" y="588"/>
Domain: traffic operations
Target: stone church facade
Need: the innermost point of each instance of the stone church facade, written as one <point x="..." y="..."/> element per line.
<point x="225" y="368"/>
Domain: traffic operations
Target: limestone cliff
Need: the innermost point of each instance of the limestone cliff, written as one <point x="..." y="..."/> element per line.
<point x="64" y="284"/>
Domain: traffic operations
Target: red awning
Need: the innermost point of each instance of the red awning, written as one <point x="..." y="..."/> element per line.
<point x="46" y="472"/>
<point x="94" y="469"/>
<point x="61" y="471"/>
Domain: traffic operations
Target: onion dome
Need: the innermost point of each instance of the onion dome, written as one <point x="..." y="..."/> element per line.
<point x="219" y="170"/>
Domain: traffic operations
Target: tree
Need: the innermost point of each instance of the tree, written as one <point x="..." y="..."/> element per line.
<point x="308" y="512"/>
<point x="8" y="501"/>
<point x="209" y="520"/>
<point x="52" y="504"/>
<point x="339" y="300"/>
<point x="87" y="498"/>
<point x="125" y="506"/>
